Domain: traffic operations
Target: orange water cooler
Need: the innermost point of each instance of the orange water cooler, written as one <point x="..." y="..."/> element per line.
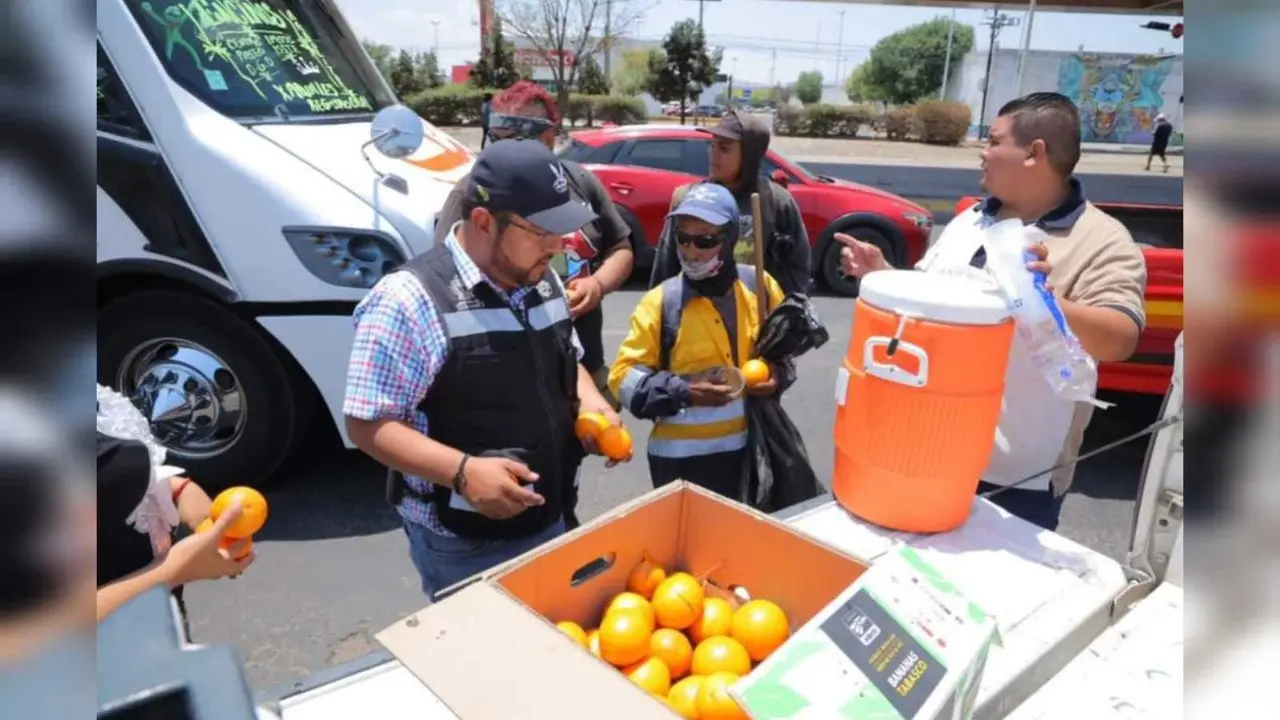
<point x="918" y="399"/>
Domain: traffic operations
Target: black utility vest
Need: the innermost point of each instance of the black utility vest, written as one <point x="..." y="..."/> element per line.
<point x="509" y="386"/>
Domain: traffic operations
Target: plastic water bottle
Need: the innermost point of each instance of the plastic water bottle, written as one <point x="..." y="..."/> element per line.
<point x="1054" y="349"/>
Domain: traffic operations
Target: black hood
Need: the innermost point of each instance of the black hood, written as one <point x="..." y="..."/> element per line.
<point x="755" y="143"/>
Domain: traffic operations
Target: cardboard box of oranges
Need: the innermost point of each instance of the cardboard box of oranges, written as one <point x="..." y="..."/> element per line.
<point x="654" y="610"/>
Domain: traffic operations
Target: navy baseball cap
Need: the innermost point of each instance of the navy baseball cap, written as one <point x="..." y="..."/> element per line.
<point x="709" y="202"/>
<point x="525" y="178"/>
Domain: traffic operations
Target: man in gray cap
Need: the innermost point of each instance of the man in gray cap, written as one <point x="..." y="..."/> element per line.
<point x="465" y="377"/>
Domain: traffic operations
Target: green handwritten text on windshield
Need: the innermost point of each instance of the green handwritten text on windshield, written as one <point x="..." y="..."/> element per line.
<point x="264" y="48"/>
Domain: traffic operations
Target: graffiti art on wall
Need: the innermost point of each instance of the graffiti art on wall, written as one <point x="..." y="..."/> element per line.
<point x="1118" y="97"/>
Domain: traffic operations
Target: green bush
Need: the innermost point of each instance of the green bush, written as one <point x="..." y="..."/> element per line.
<point x="822" y="120"/>
<point x="450" y="105"/>
<point x="942" y="123"/>
<point x="788" y="120"/>
<point x="619" y="109"/>
<point x="898" y="123"/>
<point x="857" y="116"/>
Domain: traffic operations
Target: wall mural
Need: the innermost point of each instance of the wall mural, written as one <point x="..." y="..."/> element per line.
<point x="1118" y="97"/>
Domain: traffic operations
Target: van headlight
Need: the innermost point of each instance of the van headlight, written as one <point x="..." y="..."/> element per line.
<point x="345" y="257"/>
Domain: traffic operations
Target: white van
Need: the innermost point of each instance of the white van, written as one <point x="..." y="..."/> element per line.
<point x="247" y="200"/>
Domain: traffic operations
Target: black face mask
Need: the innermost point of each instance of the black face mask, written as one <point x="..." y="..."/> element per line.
<point x="517" y="127"/>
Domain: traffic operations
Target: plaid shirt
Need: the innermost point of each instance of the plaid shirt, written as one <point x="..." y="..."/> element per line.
<point x="400" y="348"/>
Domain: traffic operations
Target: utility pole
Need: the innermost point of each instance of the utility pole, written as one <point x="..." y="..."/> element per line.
<point x="773" y="66"/>
<point x="946" y="63"/>
<point x="608" y="39"/>
<point x="997" y="21"/>
<point x="1026" y="45"/>
<point x="701" y="8"/>
<point x="839" y="49"/>
<point x="435" y="39"/>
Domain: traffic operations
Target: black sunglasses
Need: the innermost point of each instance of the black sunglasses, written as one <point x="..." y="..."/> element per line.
<point x="508" y="127"/>
<point x="702" y="242"/>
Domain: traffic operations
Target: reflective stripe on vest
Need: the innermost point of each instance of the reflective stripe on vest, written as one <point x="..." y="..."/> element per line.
<point x="480" y="321"/>
<point x="673" y="448"/>
<point x="630" y="381"/>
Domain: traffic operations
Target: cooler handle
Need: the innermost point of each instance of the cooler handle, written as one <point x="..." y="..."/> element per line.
<point x="893" y="373"/>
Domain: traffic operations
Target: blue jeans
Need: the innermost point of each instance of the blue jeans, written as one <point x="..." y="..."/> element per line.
<point x="1038" y="507"/>
<point x="443" y="561"/>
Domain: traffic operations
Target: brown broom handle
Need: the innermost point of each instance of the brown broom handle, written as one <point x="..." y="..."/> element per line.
<point x="762" y="290"/>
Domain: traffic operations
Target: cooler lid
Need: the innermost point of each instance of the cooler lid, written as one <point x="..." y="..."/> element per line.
<point x="934" y="296"/>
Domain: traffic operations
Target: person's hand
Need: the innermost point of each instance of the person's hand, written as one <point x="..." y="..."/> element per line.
<point x="1041" y="262"/>
<point x="857" y="258"/>
<point x="585" y="294"/>
<point x="198" y="557"/>
<point x="766" y="388"/>
<point x="709" y="393"/>
<point x="493" y="487"/>
<point x="601" y="406"/>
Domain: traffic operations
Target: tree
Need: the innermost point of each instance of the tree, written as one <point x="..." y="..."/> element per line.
<point x="684" y="67"/>
<point x="859" y="90"/>
<point x="563" y="31"/>
<point x="591" y="79"/>
<point x="497" y="67"/>
<point x="809" y="87"/>
<point x="632" y="76"/>
<point x="426" y="69"/>
<point x="907" y="66"/>
<point x="380" y="54"/>
<point x="405" y="80"/>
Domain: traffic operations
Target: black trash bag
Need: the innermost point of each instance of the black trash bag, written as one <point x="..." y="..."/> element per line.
<point x="778" y="473"/>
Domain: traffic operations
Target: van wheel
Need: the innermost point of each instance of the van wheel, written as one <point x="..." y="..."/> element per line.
<point x="215" y="393"/>
<point x="835" y="278"/>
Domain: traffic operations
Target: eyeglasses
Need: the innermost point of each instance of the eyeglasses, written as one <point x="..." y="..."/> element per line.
<point x="539" y="234"/>
<point x="702" y="242"/>
<point x="508" y="127"/>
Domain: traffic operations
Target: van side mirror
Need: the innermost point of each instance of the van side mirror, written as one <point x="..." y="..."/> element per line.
<point x="779" y="177"/>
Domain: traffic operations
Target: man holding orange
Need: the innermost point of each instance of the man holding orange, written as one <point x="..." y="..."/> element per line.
<point x="678" y="366"/>
<point x="466" y="379"/>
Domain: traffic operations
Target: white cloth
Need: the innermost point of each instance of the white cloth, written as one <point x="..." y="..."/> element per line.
<point x="156" y="514"/>
<point x="1034" y="422"/>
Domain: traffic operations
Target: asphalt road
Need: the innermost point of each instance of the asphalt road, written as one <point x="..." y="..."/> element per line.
<point x="333" y="568"/>
<point x="917" y="182"/>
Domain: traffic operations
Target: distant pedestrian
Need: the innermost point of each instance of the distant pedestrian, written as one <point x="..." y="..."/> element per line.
<point x="1160" y="141"/>
<point x="484" y="119"/>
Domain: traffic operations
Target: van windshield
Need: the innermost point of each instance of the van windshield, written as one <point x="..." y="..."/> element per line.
<point x="264" y="59"/>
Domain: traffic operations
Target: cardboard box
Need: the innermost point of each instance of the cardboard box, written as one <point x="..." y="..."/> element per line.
<point x="900" y="644"/>
<point x="492" y="649"/>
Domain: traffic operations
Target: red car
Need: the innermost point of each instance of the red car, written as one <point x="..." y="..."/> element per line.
<point x="641" y="165"/>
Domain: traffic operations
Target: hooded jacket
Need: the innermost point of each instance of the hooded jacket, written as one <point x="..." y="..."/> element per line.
<point x="787" y="253"/>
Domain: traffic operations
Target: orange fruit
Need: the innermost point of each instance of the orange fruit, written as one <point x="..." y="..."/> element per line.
<point x="715" y="702"/>
<point x="631" y="601"/>
<point x="651" y="674"/>
<point x="254" y="508"/>
<point x="684" y="697"/>
<point x="755" y="372"/>
<point x="677" y="601"/>
<point x="720" y="654"/>
<point x="614" y="442"/>
<point x="673" y="649"/>
<point x="227" y="541"/>
<point x="645" y="577"/>
<point x="761" y="626"/>
<point x="624" y="637"/>
<point x="716" y="619"/>
<point x="205" y="526"/>
<point x="589" y="425"/>
<point x="575" y="631"/>
<point x="593" y="642"/>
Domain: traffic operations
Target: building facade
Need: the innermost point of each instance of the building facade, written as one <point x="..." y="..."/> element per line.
<point x="1118" y="95"/>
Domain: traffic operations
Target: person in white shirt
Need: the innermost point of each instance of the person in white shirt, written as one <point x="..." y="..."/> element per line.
<point x="1093" y="265"/>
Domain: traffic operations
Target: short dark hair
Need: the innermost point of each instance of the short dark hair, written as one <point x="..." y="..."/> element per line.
<point x="1051" y="117"/>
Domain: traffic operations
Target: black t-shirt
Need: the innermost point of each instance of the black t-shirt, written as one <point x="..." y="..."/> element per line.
<point x="585" y="252"/>
<point x="124" y="471"/>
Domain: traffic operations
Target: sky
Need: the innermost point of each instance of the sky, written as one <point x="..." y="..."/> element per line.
<point x="764" y="41"/>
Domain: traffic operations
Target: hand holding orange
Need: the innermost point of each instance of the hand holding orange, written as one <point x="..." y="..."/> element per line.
<point x="756" y="372"/>
<point x="253" y="507"/>
<point x="226" y="542"/>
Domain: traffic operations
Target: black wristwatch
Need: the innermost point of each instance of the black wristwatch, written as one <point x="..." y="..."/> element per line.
<point x="460" y="477"/>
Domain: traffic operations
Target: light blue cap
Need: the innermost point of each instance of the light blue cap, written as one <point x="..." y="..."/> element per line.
<point x="709" y="202"/>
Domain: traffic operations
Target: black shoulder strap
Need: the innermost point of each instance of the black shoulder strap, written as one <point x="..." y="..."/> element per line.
<point x="578" y="179"/>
